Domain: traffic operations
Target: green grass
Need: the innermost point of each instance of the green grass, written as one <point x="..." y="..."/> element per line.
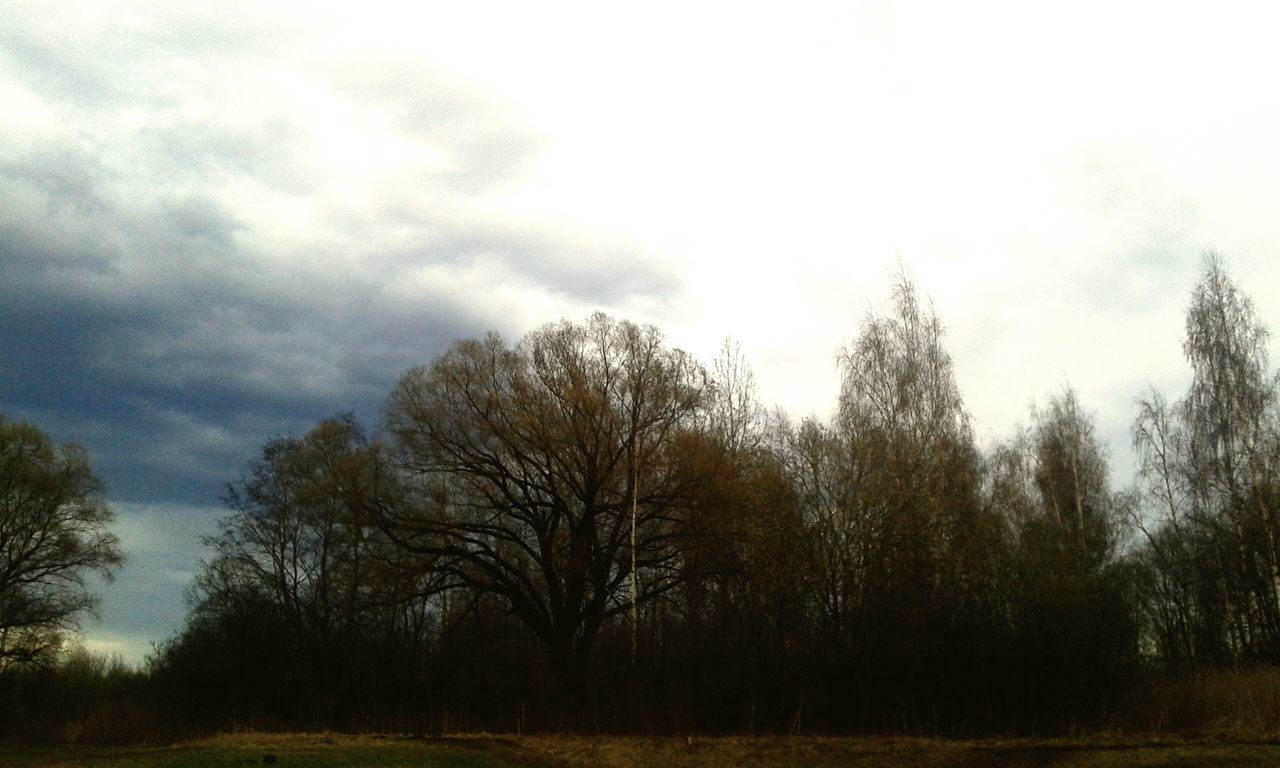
<point x="333" y="751"/>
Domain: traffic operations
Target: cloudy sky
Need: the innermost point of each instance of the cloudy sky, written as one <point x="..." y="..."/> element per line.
<point x="220" y="226"/>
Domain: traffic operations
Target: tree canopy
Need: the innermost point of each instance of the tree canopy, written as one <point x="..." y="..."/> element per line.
<point x="546" y="471"/>
<point x="587" y="528"/>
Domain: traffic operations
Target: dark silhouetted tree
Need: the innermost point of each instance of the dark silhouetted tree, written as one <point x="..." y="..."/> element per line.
<point x="1072" y="612"/>
<point x="54" y="533"/>
<point x="528" y="461"/>
<point x="309" y="601"/>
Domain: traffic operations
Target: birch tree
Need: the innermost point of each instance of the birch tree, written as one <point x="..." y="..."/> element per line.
<point x="1211" y="469"/>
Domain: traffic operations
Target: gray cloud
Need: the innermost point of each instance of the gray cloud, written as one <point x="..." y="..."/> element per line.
<point x="482" y="145"/>
<point x="154" y="310"/>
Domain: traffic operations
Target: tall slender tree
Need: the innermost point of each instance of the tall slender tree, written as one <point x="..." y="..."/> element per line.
<point x="1072" y="632"/>
<point x="1211" y="469"/>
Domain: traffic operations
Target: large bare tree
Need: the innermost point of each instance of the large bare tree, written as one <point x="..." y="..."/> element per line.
<point x="533" y="464"/>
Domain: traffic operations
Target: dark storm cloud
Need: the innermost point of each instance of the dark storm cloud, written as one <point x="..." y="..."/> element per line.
<point x="174" y="376"/>
<point x="146" y="309"/>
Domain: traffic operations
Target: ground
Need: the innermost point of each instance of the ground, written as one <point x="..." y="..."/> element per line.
<point x="483" y="751"/>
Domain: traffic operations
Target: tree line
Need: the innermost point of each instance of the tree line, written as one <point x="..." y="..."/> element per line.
<point x="590" y="529"/>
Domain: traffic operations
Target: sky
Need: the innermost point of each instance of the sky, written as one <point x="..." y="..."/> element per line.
<point x="220" y="223"/>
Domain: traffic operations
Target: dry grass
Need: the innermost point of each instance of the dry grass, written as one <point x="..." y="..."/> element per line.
<point x="312" y="750"/>
<point x="1224" y="702"/>
<point x="615" y="752"/>
<point x="817" y="752"/>
<point x="487" y="751"/>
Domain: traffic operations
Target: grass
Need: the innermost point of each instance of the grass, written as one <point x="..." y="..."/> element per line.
<point x="1230" y="700"/>
<point x="327" y="750"/>
<point x="817" y="752"/>
<point x="311" y="750"/>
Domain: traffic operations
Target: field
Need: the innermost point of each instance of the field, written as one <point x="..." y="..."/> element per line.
<point x="481" y="751"/>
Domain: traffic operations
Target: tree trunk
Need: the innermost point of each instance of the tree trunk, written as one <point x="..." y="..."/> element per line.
<point x="571" y="681"/>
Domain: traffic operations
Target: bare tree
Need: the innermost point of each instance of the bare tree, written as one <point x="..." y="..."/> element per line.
<point x="532" y="461"/>
<point x="833" y="475"/>
<point x="1069" y="607"/>
<point x="735" y="414"/>
<point x="899" y="396"/>
<point x="1071" y="477"/>
<point x="54" y="532"/>
<point x="1172" y="587"/>
<point x="296" y="538"/>
<point x="303" y="596"/>
<point x="898" y="376"/>
<point x="1229" y="413"/>
<point x="1211" y="469"/>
